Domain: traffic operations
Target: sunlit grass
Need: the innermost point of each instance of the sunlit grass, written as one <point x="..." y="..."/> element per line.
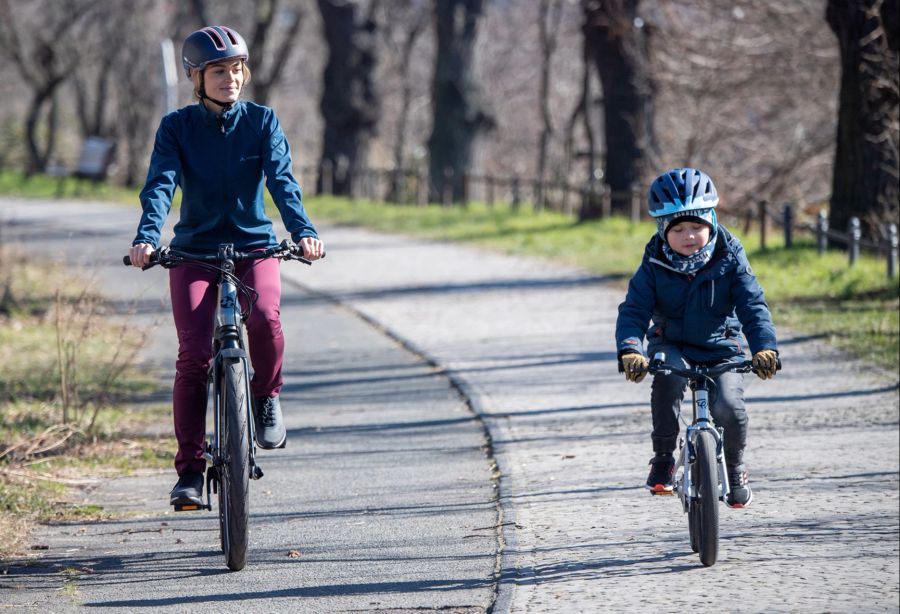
<point x="856" y="308"/>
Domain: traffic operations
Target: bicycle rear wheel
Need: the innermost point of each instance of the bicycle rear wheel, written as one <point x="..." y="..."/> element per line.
<point x="234" y="483"/>
<point x="704" y="509"/>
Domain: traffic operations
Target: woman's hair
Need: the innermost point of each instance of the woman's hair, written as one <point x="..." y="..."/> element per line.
<point x="195" y="76"/>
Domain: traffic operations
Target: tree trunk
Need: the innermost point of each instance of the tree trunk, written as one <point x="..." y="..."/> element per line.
<point x="548" y="33"/>
<point x="398" y="190"/>
<point x="458" y="116"/>
<point x="349" y="104"/>
<point x="867" y="163"/>
<point x="266" y="74"/>
<point x="618" y="43"/>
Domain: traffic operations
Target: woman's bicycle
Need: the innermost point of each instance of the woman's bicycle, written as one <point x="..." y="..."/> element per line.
<point x="701" y="477"/>
<point x="230" y="451"/>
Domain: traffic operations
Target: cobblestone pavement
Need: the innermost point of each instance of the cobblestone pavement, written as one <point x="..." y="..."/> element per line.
<point x="532" y="345"/>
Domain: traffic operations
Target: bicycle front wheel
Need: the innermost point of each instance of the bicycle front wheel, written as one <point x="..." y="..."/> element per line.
<point x="234" y="486"/>
<point x="705" y="507"/>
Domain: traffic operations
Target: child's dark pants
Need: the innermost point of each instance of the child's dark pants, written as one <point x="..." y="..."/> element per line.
<point x="726" y="405"/>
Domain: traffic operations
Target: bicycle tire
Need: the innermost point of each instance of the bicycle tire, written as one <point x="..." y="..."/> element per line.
<point x="234" y="486"/>
<point x="694" y="525"/>
<point x="707" y="476"/>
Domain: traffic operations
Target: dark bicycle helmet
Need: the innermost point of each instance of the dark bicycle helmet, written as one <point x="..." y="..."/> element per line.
<point x="212" y="44"/>
<point x="681" y="190"/>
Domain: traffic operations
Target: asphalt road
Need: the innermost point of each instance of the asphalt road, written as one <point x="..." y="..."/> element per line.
<point x="383" y="499"/>
<point x="530" y="347"/>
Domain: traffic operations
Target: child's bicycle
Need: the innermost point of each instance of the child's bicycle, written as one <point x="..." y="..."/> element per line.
<point x="230" y="451"/>
<point x="701" y="478"/>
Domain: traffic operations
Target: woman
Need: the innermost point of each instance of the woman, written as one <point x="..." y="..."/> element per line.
<point x="218" y="152"/>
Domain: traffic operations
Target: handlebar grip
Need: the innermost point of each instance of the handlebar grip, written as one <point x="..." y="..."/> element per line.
<point x="126" y="260"/>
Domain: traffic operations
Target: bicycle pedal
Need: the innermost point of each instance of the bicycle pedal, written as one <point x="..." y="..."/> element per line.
<point x="188" y="507"/>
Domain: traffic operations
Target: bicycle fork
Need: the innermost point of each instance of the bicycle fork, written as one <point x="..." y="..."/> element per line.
<point x="684" y="485"/>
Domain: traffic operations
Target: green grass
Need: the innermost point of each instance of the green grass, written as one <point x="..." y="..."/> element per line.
<point x="855" y="308"/>
<point x="43" y="186"/>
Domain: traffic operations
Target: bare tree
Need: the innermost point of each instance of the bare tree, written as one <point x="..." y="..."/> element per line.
<point x="867" y="161"/>
<point x="549" y="16"/>
<point x="43" y="50"/>
<point x="618" y="43"/>
<point x="349" y="104"/>
<point x="268" y="68"/>
<point x="136" y="121"/>
<point x="404" y="22"/>
<point x="458" y="112"/>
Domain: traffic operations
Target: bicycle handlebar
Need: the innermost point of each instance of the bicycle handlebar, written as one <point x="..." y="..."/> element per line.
<point x="167" y="257"/>
<point x="658" y="365"/>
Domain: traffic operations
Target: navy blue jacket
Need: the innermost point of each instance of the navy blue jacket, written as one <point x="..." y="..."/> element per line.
<point x="709" y="316"/>
<point x="220" y="164"/>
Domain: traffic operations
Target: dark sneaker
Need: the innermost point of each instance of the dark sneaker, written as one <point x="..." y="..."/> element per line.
<point x="662" y="469"/>
<point x="269" y="425"/>
<point x="739" y="495"/>
<point x="188" y="490"/>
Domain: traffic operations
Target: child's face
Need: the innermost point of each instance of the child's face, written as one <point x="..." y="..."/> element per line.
<point x="687" y="238"/>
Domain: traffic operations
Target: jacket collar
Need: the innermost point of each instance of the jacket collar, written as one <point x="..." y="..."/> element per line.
<point x="224" y="123"/>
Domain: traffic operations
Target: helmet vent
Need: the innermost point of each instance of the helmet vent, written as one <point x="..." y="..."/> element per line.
<point x="216" y="39"/>
<point x="230" y="36"/>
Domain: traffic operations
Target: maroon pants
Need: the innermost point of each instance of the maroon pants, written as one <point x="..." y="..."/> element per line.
<point x="194" y="295"/>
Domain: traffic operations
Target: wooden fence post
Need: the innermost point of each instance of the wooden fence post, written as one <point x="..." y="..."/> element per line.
<point x="635" y="203"/>
<point x="892" y="251"/>
<point x="822" y="231"/>
<point x="464" y="188"/>
<point x="422" y="187"/>
<point x="762" y="211"/>
<point x="327" y="176"/>
<point x="490" y="190"/>
<point x="605" y="200"/>
<point x="855" y="234"/>
<point x="788" y="225"/>
<point x="447" y="187"/>
<point x="515" y="193"/>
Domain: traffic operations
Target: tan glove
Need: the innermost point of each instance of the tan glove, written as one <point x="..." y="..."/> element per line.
<point x="764" y="363"/>
<point x="635" y="366"/>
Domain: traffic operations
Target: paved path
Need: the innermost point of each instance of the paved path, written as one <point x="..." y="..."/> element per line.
<point x="531" y="346"/>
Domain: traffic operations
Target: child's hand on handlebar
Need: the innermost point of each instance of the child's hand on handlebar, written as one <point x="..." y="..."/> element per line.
<point x="140" y="254"/>
<point x="635" y="366"/>
<point x="313" y="248"/>
<point x="765" y="363"/>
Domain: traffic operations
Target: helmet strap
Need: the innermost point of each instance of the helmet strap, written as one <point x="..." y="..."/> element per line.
<point x="225" y="105"/>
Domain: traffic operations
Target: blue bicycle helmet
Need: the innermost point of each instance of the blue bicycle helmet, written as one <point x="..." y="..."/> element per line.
<point x="212" y="44"/>
<point x="680" y="190"/>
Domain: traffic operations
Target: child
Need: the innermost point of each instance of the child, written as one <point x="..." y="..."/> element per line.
<point x="697" y="288"/>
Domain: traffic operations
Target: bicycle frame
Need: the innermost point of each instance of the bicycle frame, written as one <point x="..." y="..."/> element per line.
<point x="228" y="343"/>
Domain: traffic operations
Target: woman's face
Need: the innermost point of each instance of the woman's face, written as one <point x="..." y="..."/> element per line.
<point x="224" y="80"/>
<point x="687" y="238"/>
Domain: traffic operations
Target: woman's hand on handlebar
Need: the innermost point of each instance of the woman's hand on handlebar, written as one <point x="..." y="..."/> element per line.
<point x="313" y="248"/>
<point x="140" y="255"/>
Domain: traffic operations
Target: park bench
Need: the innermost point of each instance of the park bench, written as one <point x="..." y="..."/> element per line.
<point x="94" y="161"/>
